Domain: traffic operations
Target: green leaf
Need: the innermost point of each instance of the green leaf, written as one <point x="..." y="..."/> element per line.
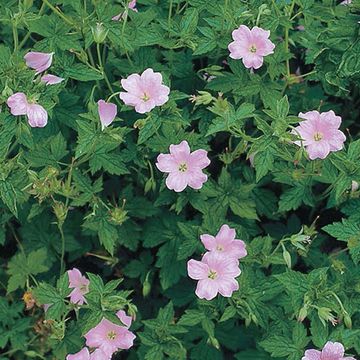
<point x="8" y="196"/>
<point x="82" y="72"/>
<point x="108" y="236"/>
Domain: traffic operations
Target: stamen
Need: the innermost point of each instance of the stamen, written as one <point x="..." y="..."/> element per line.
<point x="145" y="97"/>
<point x="182" y="167"/>
<point x="212" y="275"/>
<point x="252" y="49"/>
<point x="111" y="335"/>
<point x="318" y="136"/>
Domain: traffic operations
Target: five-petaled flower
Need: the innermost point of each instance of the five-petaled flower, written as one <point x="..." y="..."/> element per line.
<point x="184" y="167"/>
<point x="251" y="46"/>
<point x="144" y="91"/>
<point x="319" y="133"/>
<point x="80" y="284"/>
<point x="109" y="337"/>
<point x="225" y="243"/>
<point x="331" y="351"/>
<point x="215" y="274"/>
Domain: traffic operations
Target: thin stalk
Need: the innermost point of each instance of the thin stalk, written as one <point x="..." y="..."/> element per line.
<point x="170" y="13"/>
<point x="16" y="38"/>
<point x="62" y="263"/>
<point x="58" y="12"/>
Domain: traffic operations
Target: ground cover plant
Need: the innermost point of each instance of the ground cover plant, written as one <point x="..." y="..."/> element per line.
<point x="179" y="179"/>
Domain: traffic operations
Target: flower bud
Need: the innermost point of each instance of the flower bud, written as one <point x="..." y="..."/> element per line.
<point x="60" y="211"/>
<point x="146" y="286"/>
<point x="287" y="258"/>
<point x="303" y="313"/>
<point x="118" y="215"/>
<point x="347" y="321"/>
<point x="99" y="33"/>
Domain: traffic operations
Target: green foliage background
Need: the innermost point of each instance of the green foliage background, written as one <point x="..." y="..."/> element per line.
<point x="75" y="196"/>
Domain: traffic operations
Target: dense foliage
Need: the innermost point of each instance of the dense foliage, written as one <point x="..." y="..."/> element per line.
<point x="78" y="194"/>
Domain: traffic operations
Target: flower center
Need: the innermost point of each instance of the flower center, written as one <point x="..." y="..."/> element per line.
<point x="145" y="97"/>
<point x="212" y="275"/>
<point x="111" y="335"/>
<point x="252" y="49"/>
<point x="183" y="167"/>
<point x="219" y="248"/>
<point x="318" y="136"/>
<point x="84" y="288"/>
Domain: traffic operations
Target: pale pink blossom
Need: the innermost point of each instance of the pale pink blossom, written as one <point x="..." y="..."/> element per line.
<point x="346" y="2"/>
<point x="37" y="115"/>
<point x="331" y="351"/>
<point x="144" y="91"/>
<point x="98" y="354"/>
<point x="215" y="274"/>
<point x="224" y="243"/>
<point x="184" y="168"/>
<point x="38" y="61"/>
<point x="83" y="354"/>
<point x="251" y="46"/>
<point x="107" y="113"/>
<point x="131" y="6"/>
<point x="125" y="319"/>
<point x="80" y="284"/>
<point x="17" y="103"/>
<point x="109" y="337"/>
<point x="320" y="133"/>
<point x="50" y="79"/>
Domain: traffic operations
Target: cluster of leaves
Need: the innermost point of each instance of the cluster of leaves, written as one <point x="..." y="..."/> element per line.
<point x="74" y="195"/>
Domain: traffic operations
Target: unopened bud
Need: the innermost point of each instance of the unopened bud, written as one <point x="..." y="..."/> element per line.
<point x="347" y="321"/>
<point x="60" y="211"/>
<point x="118" y="215"/>
<point x="303" y="313"/>
<point x="287" y="258"/>
<point x="99" y="33"/>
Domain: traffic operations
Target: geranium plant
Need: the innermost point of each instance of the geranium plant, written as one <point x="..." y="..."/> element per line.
<point x="179" y="179"/>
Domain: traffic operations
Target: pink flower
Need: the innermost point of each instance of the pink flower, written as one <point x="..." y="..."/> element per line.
<point x="320" y="133"/>
<point x="107" y="113"/>
<point x="51" y="79"/>
<point x="83" y="354"/>
<point x="125" y="319"/>
<point x="80" y="284"/>
<point x="98" y="354"/>
<point x="38" y="61"/>
<point x="346" y="2"/>
<point x="144" y="91"/>
<point x="131" y="6"/>
<point x="331" y="351"/>
<point x="225" y="243"/>
<point x="109" y="337"/>
<point x="216" y="274"/>
<point x="17" y="104"/>
<point x="251" y="46"/>
<point x="184" y="168"/>
<point x="37" y="115"/>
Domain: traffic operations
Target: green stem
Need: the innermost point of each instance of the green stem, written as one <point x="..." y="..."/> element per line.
<point x="16" y="37"/>
<point x="59" y="13"/>
<point x="170" y="13"/>
<point x="62" y="263"/>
